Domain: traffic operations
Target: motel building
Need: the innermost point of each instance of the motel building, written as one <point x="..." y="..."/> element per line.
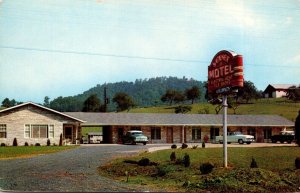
<point x="33" y="123"/>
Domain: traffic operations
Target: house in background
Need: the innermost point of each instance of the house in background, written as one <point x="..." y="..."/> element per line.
<point x="277" y="90"/>
<point x="33" y="123"/>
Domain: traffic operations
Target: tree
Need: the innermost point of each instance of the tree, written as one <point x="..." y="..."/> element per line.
<point x="6" y="102"/>
<point x="91" y="104"/>
<point x="193" y="93"/>
<point x="248" y="92"/>
<point x="13" y="102"/>
<point x="123" y="101"/>
<point x="171" y="96"/>
<point x="297" y="129"/>
<point x="179" y="97"/>
<point x="293" y="93"/>
<point x="47" y="101"/>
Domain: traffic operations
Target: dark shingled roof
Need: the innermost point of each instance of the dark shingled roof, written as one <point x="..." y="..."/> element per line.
<point x="136" y="119"/>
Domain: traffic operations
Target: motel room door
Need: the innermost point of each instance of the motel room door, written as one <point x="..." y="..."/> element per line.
<point x="169" y="134"/>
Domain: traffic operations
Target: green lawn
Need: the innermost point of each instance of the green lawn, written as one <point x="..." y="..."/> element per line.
<point x="86" y="130"/>
<point x="276" y="170"/>
<point x="282" y="107"/>
<point x="11" y="152"/>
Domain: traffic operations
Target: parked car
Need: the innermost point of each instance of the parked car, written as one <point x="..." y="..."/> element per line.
<point x="236" y="137"/>
<point x="134" y="137"/>
<point x="284" y="136"/>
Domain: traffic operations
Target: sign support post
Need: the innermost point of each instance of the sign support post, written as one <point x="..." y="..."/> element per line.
<point x="225" y="77"/>
<point x="225" y="129"/>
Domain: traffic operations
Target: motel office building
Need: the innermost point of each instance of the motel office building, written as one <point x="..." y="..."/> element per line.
<point x="32" y="123"/>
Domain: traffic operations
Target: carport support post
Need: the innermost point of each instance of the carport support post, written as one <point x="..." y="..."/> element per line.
<point x="225" y="129"/>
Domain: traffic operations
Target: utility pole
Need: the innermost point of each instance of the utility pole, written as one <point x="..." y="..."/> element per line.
<point x="225" y="105"/>
<point x="106" y="100"/>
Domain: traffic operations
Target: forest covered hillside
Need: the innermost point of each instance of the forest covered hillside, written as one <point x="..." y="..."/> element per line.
<point x="145" y="92"/>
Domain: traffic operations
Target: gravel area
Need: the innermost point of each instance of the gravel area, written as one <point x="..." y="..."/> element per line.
<point x="72" y="170"/>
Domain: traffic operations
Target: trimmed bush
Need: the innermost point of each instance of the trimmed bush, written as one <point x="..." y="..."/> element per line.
<point x="48" y="142"/>
<point x="184" y="145"/>
<point x="178" y="161"/>
<point x="206" y="168"/>
<point x="37" y="144"/>
<point x="3" y="144"/>
<point x="144" y="162"/>
<point x="253" y="164"/>
<point x="186" y="160"/>
<point x="174" y="146"/>
<point x="26" y="144"/>
<point x="60" y="140"/>
<point x="163" y="170"/>
<point x="297" y="163"/>
<point x="203" y="144"/>
<point x="173" y="156"/>
<point x="15" y="142"/>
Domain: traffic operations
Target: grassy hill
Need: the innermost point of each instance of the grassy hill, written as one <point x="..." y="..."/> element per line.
<point x="282" y="107"/>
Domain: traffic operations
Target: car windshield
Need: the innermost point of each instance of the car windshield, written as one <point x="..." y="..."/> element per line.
<point x="136" y="134"/>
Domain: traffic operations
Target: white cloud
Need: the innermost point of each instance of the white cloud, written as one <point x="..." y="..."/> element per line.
<point x="294" y="59"/>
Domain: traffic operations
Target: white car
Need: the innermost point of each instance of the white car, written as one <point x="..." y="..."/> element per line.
<point x="236" y="137"/>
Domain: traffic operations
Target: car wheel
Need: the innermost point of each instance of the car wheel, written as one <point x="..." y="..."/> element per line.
<point x="248" y="143"/>
<point x="144" y="143"/>
<point x="241" y="141"/>
<point x="274" y="141"/>
<point x="281" y="141"/>
<point x="289" y="142"/>
<point x="221" y="142"/>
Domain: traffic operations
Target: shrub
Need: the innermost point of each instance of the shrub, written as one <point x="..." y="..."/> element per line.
<point x="26" y="144"/>
<point x="144" y="162"/>
<point x="186" y="160"/>
<point x="37" y="144"/>
<point x="206" y="168"/>
<point x="15" y="142"/>
<point x="179" y="161"/>
<point x="3" y="144"/>
<point x="174" y="146"/>
<point x="253" y="164"/>
<point x="173" y="156"/>
<point x="297" y="163"/>
<point x="194" y="146"/>
<point x="203" y="144"/>
<point x="184" y="145"/>
<point x="48" y="142"/>
<point x="163" y="170"/>
<point x="60" y="140"/>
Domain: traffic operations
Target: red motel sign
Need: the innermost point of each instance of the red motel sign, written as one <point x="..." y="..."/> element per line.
<point x="225" y="72"/>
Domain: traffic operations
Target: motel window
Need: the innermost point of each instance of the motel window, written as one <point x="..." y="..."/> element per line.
<point x="155" y="133"/>
<point x="27" y="131"/>
<point x="39" y="131"/>
<point x="196" y="133"/>
<point x="2" y="130"/>
<point x="252" y="131"/>
<point x="51" y="131"/>
<point x="267" y="133"/>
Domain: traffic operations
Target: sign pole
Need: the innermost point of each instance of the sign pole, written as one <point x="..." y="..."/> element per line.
<point x="225" y="129"/>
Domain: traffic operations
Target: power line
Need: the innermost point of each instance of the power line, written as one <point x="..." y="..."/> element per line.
<point x="101" y="54"/>
<point x="134" y="57"/>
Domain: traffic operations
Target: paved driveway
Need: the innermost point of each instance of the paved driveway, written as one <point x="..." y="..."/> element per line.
<point x="72" y="170"/>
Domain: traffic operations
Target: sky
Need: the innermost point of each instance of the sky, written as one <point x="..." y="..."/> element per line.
<point x="64" y="47"/>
